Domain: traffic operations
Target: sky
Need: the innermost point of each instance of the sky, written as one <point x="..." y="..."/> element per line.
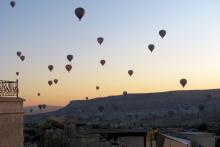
<point x="45" y="31"/>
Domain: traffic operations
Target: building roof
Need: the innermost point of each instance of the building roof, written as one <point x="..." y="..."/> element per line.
<point x="180" y="140"/>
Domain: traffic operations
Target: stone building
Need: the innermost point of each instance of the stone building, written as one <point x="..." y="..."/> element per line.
<point x="11" y="116"/>
<point x="11" y="122"/>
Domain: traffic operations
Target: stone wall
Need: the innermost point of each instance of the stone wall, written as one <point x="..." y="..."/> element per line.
<point x="11" y="122"/>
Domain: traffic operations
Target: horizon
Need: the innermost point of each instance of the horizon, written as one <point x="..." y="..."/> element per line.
<point x="47" y="32"/>
<point x="94" y="98"/>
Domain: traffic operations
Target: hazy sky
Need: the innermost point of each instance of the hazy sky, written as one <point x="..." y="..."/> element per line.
<point x="45" y="31"/>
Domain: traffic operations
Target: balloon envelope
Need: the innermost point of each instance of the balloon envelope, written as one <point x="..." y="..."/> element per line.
<point x="68" y="67"/>
<point x="40" y="107"/>
<point x="55" y="81"/>
<point x="50" y="82"/>
<point x="102" y="62"/>
<point x="38" y="94"/>
<point x="18" y="53"/>
<point x="183" y="82"/>
<point x="125" y="93"/>
<point x="151" y="47"/>
<point x="44" y="106"/>
<point x="12" y="3"/>
<point x="79" y="12"/>
<point x="50" y="67"/>
<point x="162" y="33"/>
<point x="97" y="87"/>
<point x="130" y="72"/>
<point x="17" y="73"/>
<point x="69" y="57"/>
<point x="100" y="40"/>
<point x="22" y="58"/>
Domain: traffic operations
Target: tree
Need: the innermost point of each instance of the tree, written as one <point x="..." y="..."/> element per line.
<point x="201" y="107"/>
<point x="101" y="108"/>
<point x="202" y="127"/>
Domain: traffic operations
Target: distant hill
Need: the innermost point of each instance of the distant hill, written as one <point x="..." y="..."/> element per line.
<point x="176" y="107"/>
<point x="36" y="110"/>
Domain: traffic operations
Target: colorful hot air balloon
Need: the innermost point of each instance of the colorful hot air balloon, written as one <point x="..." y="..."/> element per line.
<point x="50" y="67"/>
<point x="151" y="47"/>
<point x="79" y="12"/>
<point x="130" y="72"/>
<point x="183" y="82"/>
<point x="18" y="53"/>
<point x="17" y="73"/>
<point x="55" y="81"/>
<point x="125" y="93"/>
<point x="69" y="57"/>
<point x="97" y="87"/>
<point x="38" y="94"/>
<point x="102" y="62"/>
<point x="68" y="67"/>
<point x="12" y="3"/>
<point x="100" y="40"/>
<point x="22" y="58"/>
<point x="162" y="33"/>
<point x="50" y="82"/>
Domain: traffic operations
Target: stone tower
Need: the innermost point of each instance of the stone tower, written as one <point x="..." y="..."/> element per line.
<point x="11" y="115"/>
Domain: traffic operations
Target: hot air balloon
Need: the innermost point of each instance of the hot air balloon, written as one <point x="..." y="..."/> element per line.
<point x="44" y="106"/>
<point x="40" y="107"/>
<point x="38" y="94"/>
<point x="151" y="47"/>
<point x="100" y="40"/>
<point x="17" y="73"/>
<point x="50" y="67"/>
<point x="50" y="82"/>
<point x="97" y="87"/>
<point x="55" y="81"/>
<point x="79" y="12"/>
<point x="22" y="58"/>
<point x="102" y="62"/>
<point x="12" y="3"/>
<point x="68" y="67"/>
<point x="69" y="57"/>
<point x="130" y="72"/>
<point x="18" y="53"/>
<point x="183" y="82"/>
<point x="125" y="93"/>
<point x="162" y="33"/>
<point x="87" y="98"/>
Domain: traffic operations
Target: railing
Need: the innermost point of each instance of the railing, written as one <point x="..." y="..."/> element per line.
<point x="9" y="88"/>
